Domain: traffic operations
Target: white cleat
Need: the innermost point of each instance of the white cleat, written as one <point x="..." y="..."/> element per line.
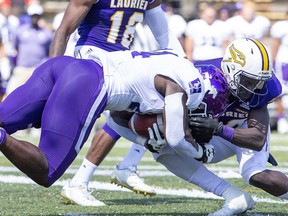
<point x="129" y="178"/>
<point x="79" y="195"/>
<point x="237" y="202"/>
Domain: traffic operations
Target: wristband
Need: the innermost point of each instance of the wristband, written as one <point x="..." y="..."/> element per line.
<point x="227" y="133"/>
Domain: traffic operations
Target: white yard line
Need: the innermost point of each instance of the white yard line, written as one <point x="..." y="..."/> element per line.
<point x="194" y="193"/>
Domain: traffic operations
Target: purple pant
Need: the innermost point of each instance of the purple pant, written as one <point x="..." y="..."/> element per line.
<point x="65" y="97"/>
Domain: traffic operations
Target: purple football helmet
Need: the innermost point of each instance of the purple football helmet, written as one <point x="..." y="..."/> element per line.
<point x="216" y="98"/>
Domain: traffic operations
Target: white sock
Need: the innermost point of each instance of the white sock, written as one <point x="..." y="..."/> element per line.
<point x="84" y="173"/>
<point x="284" y="196"/>
<point x="133" y="156"/>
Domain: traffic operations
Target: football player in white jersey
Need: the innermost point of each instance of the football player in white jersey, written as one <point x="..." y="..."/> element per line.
<point x="206" y="38"/>
<point x="126" y="81"/>
<point x="248" y="24"/>
<point x="105" y="26"/>
<point x="186" y="167"/>
<point x="279" y="33"/>
<point x="243" y="129"/>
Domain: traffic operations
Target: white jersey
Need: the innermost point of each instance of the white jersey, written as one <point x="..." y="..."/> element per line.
<point x="240" y="28"/>
<point x="280" y="30"/>
<point x="207" y="39"/>
<point x="129" y="79"/>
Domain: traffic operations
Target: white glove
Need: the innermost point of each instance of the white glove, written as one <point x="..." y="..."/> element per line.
<point x="208" y="153"/>
<point x="156" y="141"/>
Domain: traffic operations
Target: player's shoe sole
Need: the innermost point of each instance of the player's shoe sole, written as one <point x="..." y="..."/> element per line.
<point x="115" y="181"/>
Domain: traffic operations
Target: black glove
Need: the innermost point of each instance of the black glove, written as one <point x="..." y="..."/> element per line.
<point x="203" y="129"/>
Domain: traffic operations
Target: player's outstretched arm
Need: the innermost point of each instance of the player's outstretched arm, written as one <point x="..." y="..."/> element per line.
<point x="253" y="137"/>
<point x="74" y="14"/>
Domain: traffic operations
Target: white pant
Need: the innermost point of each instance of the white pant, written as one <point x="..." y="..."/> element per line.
<point x="250" y="162"/>
<point x="89" y="52"/>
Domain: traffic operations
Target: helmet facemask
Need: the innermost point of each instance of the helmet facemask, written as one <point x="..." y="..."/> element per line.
<point x="247" y="66"/>
<point x="248" y="87"/>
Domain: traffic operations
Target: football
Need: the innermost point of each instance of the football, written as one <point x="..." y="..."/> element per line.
<point x="139" y="123"/>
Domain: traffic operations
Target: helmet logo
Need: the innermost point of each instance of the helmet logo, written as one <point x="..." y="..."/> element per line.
<point x="236" y="56"/>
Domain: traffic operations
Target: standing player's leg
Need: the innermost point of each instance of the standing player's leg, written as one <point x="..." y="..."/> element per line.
<point x="126" y="175"/>
<point x="76" y="191"/>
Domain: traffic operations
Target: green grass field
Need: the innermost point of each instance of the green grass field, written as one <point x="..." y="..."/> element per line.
<point x="20" y="196"/>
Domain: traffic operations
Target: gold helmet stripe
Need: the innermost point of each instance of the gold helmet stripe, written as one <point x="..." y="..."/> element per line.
<point x="264" y="54"/>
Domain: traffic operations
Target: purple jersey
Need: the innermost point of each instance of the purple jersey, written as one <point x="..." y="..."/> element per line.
<point x="239" y="110"/>
<point x="110" y="24"/>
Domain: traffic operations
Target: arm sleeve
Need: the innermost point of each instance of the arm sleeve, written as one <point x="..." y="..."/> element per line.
<point x="156" y="20"/>
<point x="175" y="129"/>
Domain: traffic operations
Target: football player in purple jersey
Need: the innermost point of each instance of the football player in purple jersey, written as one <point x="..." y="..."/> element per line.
<point x="104" y="26"/>
<point x="243" y="130"/>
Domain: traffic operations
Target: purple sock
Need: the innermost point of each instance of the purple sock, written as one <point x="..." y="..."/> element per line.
<point x="2" y="136"/>
<point x="111" y="132"/>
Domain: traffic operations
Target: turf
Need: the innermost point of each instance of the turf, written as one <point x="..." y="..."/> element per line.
<point x="19" y="196"/>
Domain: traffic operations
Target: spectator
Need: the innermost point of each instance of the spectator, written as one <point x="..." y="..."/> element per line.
<point x="32" y="44"/>
<point x="144" y="39"/>
<point x="247" y="23"/>
<point x="73" y="37"/>
<point x="206" y="37"/>
<point x="279" y="34"/>
<point x="176" y="22"/>
<point x="224" y="13"/>
<point x="8" y="25"/>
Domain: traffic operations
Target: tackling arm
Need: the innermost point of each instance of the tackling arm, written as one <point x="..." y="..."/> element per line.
<point x="74" y="14"/>
<point x="253" y="137"/>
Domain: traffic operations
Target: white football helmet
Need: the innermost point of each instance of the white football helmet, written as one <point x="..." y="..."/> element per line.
<point x="247" y="66"/>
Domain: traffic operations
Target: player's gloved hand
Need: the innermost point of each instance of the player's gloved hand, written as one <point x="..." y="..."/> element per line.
<point x="156" y="139"/>
<point x="208" y="153"/>
<point x="203" y="129"/>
